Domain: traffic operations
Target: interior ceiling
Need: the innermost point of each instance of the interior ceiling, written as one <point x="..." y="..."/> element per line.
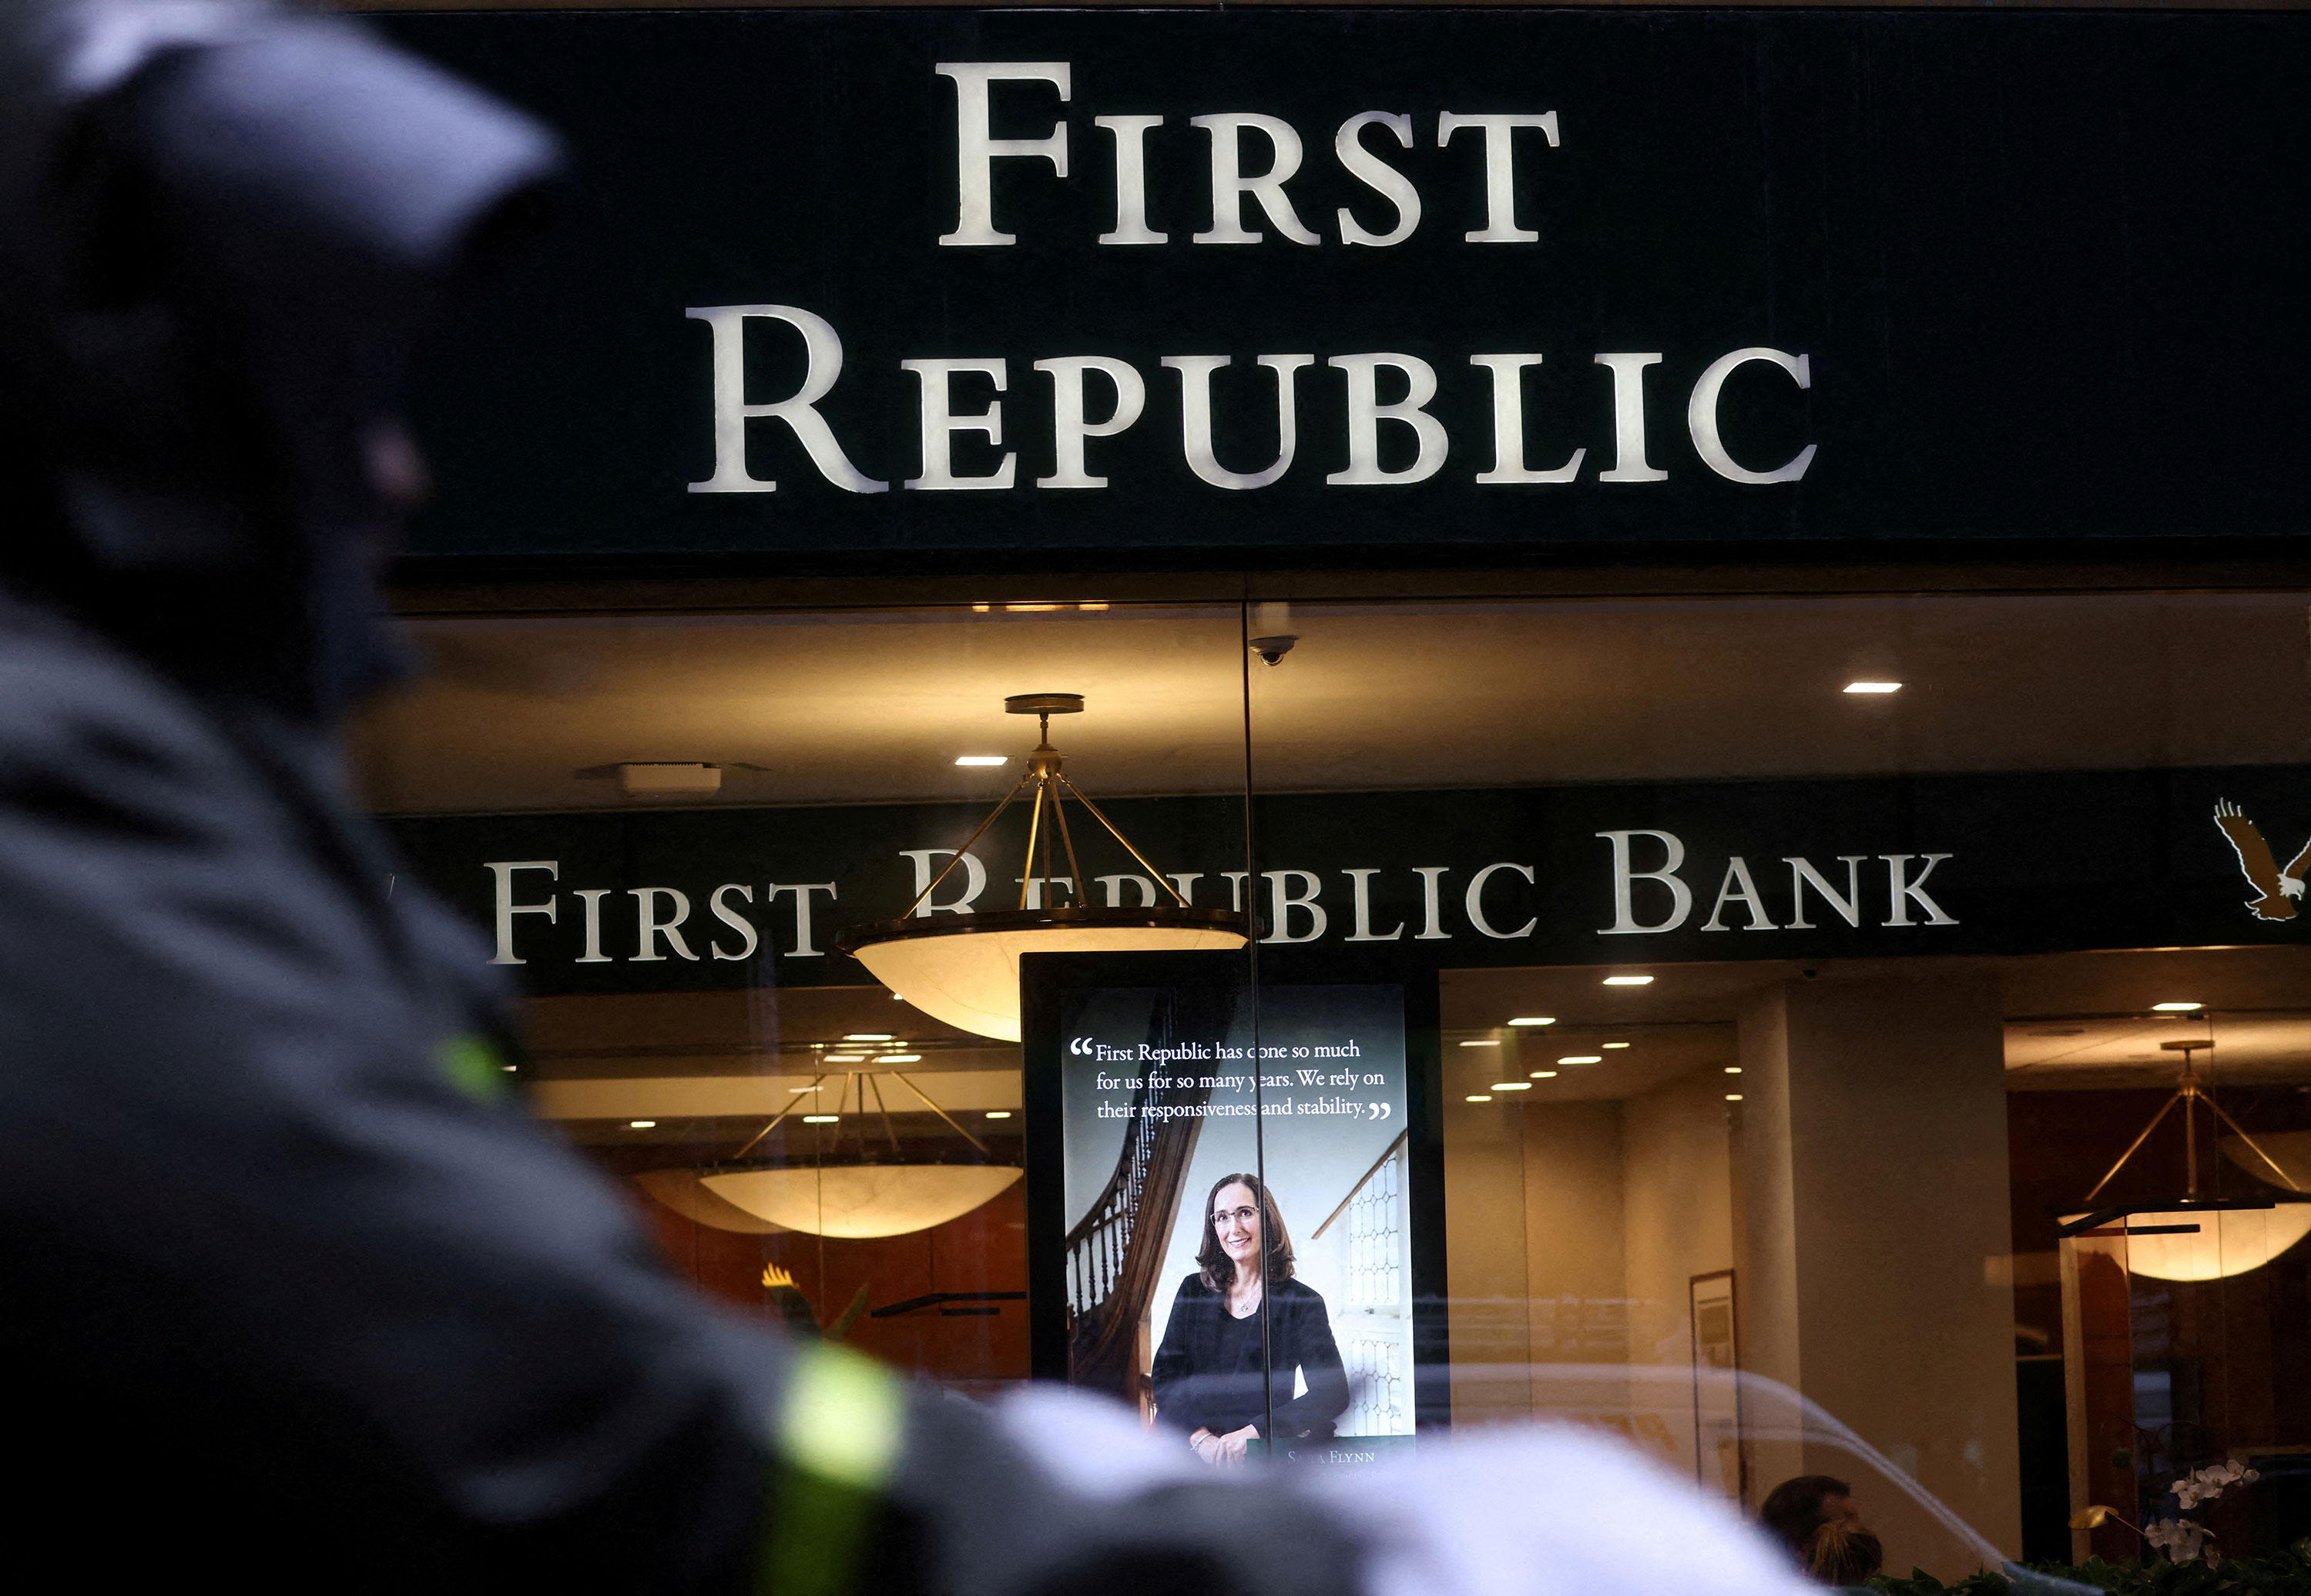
<point x="874" y="707"/>
<point x="2078" y="1021"/>
<point x="2074" y="1021"/>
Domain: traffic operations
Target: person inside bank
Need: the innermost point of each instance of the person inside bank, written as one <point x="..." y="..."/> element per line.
<point x="1207" y="1375"/>
<point x="1817" y="1520"/>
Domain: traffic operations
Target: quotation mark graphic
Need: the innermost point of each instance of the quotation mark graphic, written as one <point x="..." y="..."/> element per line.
<point x="1080" y="1046"/>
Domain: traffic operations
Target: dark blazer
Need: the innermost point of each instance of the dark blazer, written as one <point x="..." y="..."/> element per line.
<point x="1192" y="1392"/>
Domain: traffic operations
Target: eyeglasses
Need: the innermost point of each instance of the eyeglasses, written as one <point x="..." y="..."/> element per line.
<point x="1241" y="1215"/>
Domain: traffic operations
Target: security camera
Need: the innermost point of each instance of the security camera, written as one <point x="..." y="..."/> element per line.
<point x="1274" y="648"/>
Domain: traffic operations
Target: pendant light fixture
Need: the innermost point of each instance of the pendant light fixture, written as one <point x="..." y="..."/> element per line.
<point x="856" y="1198"/>
<point x="964" y="968"/>
<point x="2197" y="1237"/>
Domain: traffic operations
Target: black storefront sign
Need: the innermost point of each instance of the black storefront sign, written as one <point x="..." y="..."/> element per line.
<point x="984" y="286"/>
<point x="1377" y="885"/>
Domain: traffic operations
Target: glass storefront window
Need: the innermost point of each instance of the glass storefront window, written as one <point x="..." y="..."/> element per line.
<point x="805" y="1147"/>
<point x="1732" y="1043"/>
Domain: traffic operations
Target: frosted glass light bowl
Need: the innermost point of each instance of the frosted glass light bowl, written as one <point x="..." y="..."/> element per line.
<point x="856" y="1202"/>
<point x="2228" y="1241"/>
<point x="964" y="969"/>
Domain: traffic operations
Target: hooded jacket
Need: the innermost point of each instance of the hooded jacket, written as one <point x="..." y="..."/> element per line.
<point x="296" y="1294"/>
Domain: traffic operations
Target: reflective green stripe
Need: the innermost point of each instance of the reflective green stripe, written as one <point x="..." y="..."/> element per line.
<point x="844" y="1419"/>
<point x="838" y="1438"/>
<point x="472" y="1065"/>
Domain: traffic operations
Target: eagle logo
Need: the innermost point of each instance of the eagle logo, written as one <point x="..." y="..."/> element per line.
<point x="2279" y="887"/>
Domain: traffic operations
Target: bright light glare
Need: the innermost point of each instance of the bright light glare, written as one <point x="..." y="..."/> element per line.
<point x="844" y="1059"/>
<point x="871" y="1036"/>
<point x="1609" y="1046"/>
<point x="1550" y="1019"/>
<point x="1874" y="686"/>
<point x="1732" y="1070"/>
<point x="1581" y="1059"/>
<point x="999" y="1113"/>
<point x="1628" y="980"/>
<point x="641" y="1124"/>
<point x="2176" y="1008"/>
<point x="802" y="1088"/>
<point x="1544" y="1075"/>
<point x="1484" y="1041"/>
<point x="897" y="1058"/>
<point x="820" y="1119"/>
<point x="1732" y="1096"/>
<point x="982" y="759"/>
<point x="1510" y="1087"/>
<point x="1479" y="1097"/>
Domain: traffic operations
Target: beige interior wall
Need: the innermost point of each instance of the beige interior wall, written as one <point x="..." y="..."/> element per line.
<point x="1677" y="1182"/>
<point x="1766" y="1279"/>
<point x="1575" y="1230"/>
<point x="1485" y="1262"/>
<point x="1574" y="1266"/>
<point x="1876" y="1186"/>
<point x="1574" y="1261"/>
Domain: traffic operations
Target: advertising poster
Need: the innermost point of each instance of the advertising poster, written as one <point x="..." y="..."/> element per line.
<point x="1237" y="1224"/>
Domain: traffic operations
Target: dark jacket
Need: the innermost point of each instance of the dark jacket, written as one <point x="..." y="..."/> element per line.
<point x="1193" y="1391"/>
<point x="300" y="1281"/>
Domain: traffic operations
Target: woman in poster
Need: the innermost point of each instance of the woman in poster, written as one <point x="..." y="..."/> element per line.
<point x="1208" y="1371"/>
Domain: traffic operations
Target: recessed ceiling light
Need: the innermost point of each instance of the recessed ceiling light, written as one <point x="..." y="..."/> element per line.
<point x="802" y="1089"/>
<point x="898" y="1058"/>
<point x="871" y="1036"/>
<point x="1510" y="1087"/>
<point x="1874" y="686"/>
<point x="1732" y="1070"/>
<point x="1628" y="980"/>
<point x="820" y="1119"/>
<point x="1609" y="1046"/>
<point x="509" y="1069"/>
<point x="1484" y="1041"/>
<point x="999" y="1113"/>
<point x="2175" y="1007"/>
<point x="1544" y="1075"/>
<point x="1535" y="1019"/>
<point x="844" y="1059"/>
<point x="1732" y="1096"/>
<point x="641" y="1124"/>
<point x="982" y="759"/>
<point x="1581" y="1059"/>
<point x="1479" y="1097"/>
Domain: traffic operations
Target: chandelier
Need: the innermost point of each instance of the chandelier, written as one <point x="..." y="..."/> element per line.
<point x="964" y="969"/>
<point x="2196" y="1237"/>
<point x="857" y="1198"/>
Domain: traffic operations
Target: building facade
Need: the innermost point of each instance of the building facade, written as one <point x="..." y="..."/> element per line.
<point x="1680" y="642"/>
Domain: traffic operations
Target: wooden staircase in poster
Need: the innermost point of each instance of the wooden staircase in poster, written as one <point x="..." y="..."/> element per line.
<point x="1115" y="1249"/>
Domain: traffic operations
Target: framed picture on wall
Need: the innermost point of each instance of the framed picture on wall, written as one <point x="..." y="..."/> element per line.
<point x="1717" y="1458"/>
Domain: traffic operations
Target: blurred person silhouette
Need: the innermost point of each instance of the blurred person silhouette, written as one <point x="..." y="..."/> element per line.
<point x="1211" y="1380"/>
<point x="1841" y="1552"/>
<point x="297" y="1293"/>
<point x="1796" y="1508"/>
